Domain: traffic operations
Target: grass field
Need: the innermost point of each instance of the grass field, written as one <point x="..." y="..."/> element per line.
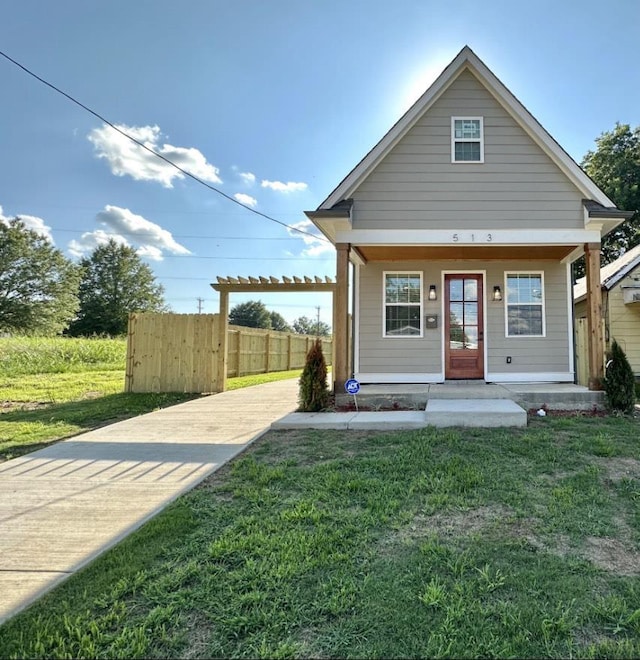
<point x="432" y="543"/>
<point x="53" y="388"/>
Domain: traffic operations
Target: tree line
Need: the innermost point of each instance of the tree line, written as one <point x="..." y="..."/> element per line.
<point x="42" y="291"/>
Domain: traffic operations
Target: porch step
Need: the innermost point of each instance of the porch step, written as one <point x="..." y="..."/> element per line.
<point x="474" y="412"/>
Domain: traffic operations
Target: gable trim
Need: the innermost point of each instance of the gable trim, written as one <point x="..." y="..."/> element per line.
<point x="468" y="60"/>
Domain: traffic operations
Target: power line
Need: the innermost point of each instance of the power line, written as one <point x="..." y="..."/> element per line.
<point x="155" y="153"/>
<point x="151" y="235"/>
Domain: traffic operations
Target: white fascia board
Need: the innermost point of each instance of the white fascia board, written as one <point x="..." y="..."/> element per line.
<point x="542" y="377"/>
<point x="399" y="378"/>
<point x="467" y="237"/>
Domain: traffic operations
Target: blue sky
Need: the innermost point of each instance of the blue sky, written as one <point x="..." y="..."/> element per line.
<point x="270" y="101"/>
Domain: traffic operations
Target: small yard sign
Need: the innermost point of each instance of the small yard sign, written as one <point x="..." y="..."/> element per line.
<point x="352" y="386"/>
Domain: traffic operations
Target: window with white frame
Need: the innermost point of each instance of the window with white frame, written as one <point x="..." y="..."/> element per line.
<point x="467" y="140"/>
<point x="524" y="305"/>
<point x="402" y="304"/>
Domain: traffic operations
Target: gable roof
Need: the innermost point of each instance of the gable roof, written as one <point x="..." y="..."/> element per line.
<point x="468" y="60"/>
<point x="611" y="274"/>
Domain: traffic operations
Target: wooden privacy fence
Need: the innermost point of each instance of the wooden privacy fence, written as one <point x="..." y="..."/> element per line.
<point x="181" y="352"/>
<point x="256" y="351"/>
<point x="582" y="351"/>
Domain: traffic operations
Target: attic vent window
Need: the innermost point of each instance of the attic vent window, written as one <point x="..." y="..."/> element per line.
<point x="467" y="140"/>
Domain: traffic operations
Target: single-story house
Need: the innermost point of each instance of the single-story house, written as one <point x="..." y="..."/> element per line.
<point x="620" y="304"/>
<point x="455" y="235"/>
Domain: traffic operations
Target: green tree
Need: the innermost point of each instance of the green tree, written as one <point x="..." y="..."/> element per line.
<point x="251" y="314"/>
<point x="615" y="167"/>
<point x="115" y="282"/>
<point x="278" y="322"/>
<point x="305" y="326"/>
<point x="38" y="284"/>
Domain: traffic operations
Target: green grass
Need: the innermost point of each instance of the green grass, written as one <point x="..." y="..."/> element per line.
<point x="47" y="355"/>
<point x="258" y="379"/>
<point x="54" y="388"/>
<point x="431" y="543"/>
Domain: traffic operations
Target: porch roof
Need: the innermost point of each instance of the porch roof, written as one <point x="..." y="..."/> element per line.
<point x="480" y="252"/>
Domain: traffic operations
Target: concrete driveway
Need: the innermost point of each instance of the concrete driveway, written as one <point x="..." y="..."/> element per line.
<point x="62" y="506"/>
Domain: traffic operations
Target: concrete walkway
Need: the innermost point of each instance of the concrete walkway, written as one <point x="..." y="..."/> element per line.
<point x="62" y="506"/>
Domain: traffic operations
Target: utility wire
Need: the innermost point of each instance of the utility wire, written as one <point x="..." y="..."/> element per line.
<point x="155" y="153"/>
<point x="140" y="234"/>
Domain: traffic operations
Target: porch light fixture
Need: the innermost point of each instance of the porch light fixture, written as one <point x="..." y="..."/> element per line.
<point x="432" y="292"/>
<point x="497" y="294"/>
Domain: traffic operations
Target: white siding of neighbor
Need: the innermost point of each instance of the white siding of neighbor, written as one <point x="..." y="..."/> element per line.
<point x="622" y="322"/>
<point x="416" y="186"/>
<point x="423" y="355"/>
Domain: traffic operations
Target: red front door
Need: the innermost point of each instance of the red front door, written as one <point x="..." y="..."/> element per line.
<point x="463" y="326"/>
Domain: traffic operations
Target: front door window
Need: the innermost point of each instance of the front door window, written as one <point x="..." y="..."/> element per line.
<point x="464" y="329"/>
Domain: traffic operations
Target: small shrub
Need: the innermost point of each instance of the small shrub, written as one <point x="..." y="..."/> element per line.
<point x="619" y="382"/>
<point x="314" y="393"/>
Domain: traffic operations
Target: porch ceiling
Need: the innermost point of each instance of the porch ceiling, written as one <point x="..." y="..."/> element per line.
<point x="483" y="252"/>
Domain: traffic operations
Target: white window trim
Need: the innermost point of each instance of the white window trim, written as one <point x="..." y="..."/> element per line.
<point x="384" y="303"/>
<point x="454" y="141"/>
<point x="506" y="304"/>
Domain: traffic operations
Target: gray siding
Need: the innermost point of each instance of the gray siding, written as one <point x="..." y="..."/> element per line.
<point x="377" y="354"/>
<point x="417" y="187"/>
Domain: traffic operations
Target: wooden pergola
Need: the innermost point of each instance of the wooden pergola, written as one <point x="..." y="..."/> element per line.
<point x="227" y="285"/>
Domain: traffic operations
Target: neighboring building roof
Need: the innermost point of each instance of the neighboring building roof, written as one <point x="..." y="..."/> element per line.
<point x="467" y="59"/>
<point x="612" y="273"/>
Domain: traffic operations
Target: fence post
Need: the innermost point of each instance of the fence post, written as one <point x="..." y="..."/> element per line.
<point x="289" y="352"/>
<point x="239" y="354"/>
<point x="267" y="351"/>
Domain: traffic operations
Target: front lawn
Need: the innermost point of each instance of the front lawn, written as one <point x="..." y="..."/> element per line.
<point x="431" y="543"/>
<point x="54" y="388"/>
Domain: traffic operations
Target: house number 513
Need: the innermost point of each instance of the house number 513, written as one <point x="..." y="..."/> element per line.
<point x="485" y="238"/>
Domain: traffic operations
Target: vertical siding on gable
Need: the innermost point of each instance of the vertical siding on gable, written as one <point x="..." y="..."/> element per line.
<point x="420" y="355"/>
<point x="417" y="187"/>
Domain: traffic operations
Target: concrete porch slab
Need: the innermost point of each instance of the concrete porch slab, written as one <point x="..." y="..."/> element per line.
<point x="483" y="413"/>
<point x="556" y="396"/>
<point x="388" y="420"/>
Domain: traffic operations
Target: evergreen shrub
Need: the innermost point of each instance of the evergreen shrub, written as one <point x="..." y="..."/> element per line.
<point x="314" y="393"/>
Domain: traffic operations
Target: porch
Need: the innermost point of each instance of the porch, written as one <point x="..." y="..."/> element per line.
<point x="554" y="396"/>
<point x="453" y="403"/>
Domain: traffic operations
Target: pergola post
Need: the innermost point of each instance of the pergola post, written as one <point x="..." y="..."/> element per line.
<point x="223" y="329"/>
<point x="595" y="339"/>
<point x="341" y="318"/>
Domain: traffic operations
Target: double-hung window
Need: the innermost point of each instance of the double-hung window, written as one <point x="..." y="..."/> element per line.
<point x="402" y="304"/>
<point x="467" y="140"/>
<point x="525" y="305"/>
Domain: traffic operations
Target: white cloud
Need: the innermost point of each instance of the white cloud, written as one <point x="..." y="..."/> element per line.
<point x="30" y="222"/>
<point x="126" y="157"/>
<point x="316" y="244"/>
<point x="279" y="186"/>
<point x="150" y="240"/>
<point x="143" y="231"/>
<point x="90" y="240"/>
<point x="248" y="177"/>
<point x="247" y="200"/>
